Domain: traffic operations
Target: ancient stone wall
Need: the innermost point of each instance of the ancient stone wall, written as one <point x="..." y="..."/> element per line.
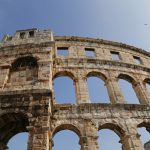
<point x="29" y="62"/>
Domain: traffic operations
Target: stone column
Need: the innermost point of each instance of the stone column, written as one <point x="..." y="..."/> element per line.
<point x="81" y="90"/>
<point x="51" y="143"/>
<point x="39" y="123"/>
<point x="4" y="77"/>
<point x="89" y="143"/>
<point x="89" y="140"/>
<point x="44" y="74"/>
<point x="38" y="136"/>
<point x="132" y="140"/>
<point x="114" y="90"/>
<point x="141" y="93"/>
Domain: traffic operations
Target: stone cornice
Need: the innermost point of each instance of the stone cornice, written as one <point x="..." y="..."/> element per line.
<point x="24" y="92"/>
<point x="95" y="107"/>
<point x="101" y="41"/>
<point x="25" y="46"/>
<point x="99" y="61"/>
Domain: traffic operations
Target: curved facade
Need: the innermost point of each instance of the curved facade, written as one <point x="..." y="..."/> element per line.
<point x="30" y="61"/>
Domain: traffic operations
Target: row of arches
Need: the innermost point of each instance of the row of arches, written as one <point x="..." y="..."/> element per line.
<point x="109" y="136"/>
<point x="65" y="88"/>
<point x="25" y="69"/>
<point x="105" y="136"/>
<point x="68" y="137"/>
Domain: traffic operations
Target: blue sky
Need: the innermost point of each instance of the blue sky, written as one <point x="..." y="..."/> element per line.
<point x="115" y="20"/>
<point x="126" y="21"/>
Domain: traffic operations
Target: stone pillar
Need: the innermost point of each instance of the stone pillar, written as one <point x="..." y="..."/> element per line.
<point x="141" y="93"/>
<point x="81" y="90"/>
<point x="39" y="123"/>
<point x="89" y="140"/>
<point x="89" y="143"/>
<point x="114" y="90"/>
<point x="132" y="140"/>
<point x="51" y="144"/>
<point x="44" y="75"/>
<point x="4" y="77"/>
<point x="38" y="137"/>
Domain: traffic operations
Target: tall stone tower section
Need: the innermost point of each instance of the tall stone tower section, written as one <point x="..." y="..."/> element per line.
<point x="26" y="87"/>
<point x="30" y="62"/>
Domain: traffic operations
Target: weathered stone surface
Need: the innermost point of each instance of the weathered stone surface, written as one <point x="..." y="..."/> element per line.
<point x="29" y="63"/>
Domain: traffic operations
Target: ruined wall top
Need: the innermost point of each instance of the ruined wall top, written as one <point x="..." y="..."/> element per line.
<point x="100" y="41"/>
<point x="27" y="36"/>
<point x="38" y="36"/>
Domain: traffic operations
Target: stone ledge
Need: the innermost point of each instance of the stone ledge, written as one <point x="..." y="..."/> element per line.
<point x="104" y="106"/>
<point x="25" y="45"/>
<point x="22" y="92"/>
<point x="99" y="61"/>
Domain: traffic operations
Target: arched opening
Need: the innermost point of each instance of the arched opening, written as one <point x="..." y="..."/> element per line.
<point x="18" y="142"/>
<point x="108" y="140"/>
<point x="24" y="69"/>
<point x="27" y="61"/>
<point x="66" y="137"/>
<point x="64" y="89"/>
<point x="97" y="88"/>
<point x="147" y="84"/>
<point x="10" y="125"/>
<point x="144" y="132"/>
<point x="110" y="137"/>
<point x="66" y="140"/>
<point x="126" y="85"/>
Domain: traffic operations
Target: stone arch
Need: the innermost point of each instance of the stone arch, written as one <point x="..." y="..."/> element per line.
<point x="146" y="83"/>
<point x="98" y="80"/>
<point x="146" y="80"/>
<point x="115" y="131"/>
<point x="143" y="133"/>
<point x="144" y="124"/>
<point x="97" y="74"/>
<point x="24" y="61"/>
<point x="114" y="127"/>
<point x="135" y="88"/>
<point x="66" y="126"/>
<point x="127" y="77"/>
<point x="12" y="124"/>
<point x="64" y="73"/>
<point x="67" y="82"/>
<point x="23" y="69"/>
<point x="69" y="127"/>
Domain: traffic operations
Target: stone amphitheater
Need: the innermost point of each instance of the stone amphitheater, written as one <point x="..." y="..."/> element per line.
<point x="29" y="62"/>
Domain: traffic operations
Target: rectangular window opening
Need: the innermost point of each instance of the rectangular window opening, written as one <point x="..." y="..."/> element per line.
<point x="31" y="34"/>
<point x="22" y="35"/>
<point x="9" y="38"/>
<point x="89" y="52"/>
<point x="115" y="55"/>
<point x="62" y="51"/>
<point x="137" y="60"/>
